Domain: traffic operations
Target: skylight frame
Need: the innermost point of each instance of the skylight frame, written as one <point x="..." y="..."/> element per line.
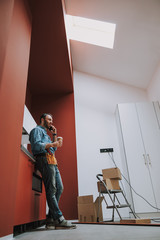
<point x="91" y="31"/>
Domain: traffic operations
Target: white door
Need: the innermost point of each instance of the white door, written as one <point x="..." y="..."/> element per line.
<point x="151" y="134"/>
<point x="136" y="160"/>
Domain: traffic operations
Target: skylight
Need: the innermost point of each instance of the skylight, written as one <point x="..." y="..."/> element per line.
<point x="90" y="31"/>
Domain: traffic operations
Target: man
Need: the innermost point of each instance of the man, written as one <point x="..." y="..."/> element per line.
<point x="43" y="150"/>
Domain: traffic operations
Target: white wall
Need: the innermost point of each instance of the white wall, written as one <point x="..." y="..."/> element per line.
<point x="28" y="124"/>
<point x="154" y="86"/>
<point x="95" y="104"/>
<point x="28" y="121"/>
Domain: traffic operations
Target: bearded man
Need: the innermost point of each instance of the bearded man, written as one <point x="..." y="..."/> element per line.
<point x="43" y="149"/>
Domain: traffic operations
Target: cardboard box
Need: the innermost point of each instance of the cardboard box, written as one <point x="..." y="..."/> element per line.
<point x="111" y="173"/>
<point x="88" y="210"/>
<point x="137" y="220"/>
<point x="112" y="184"/>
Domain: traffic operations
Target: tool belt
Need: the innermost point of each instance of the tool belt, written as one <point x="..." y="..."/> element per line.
<point x="51" y="159"/>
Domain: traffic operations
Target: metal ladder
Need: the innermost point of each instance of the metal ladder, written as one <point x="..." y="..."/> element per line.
<point x="114" y="199"/>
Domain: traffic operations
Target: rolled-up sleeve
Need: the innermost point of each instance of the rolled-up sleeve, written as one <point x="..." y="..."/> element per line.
<point x="36" y="141"/>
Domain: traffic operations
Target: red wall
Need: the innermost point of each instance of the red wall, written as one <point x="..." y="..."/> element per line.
<point x="15" y="36"/>
<point x="12" y="97"/>
<point x="6" y="8"/>
<point x="50" y="82"/>
<point x="62" y="109"/>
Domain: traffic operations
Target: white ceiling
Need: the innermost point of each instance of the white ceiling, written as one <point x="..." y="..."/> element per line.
<point x="136" y="52"/>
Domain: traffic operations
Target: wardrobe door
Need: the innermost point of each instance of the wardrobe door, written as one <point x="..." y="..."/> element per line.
<point x="149" y="123"/>
<point x="136" y="157"/>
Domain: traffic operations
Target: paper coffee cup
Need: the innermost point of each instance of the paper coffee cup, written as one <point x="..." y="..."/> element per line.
<point x="59" y="138"/>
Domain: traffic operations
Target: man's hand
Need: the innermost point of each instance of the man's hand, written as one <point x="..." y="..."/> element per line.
<point x="53" y="130"/>
<point x="54" y="144"/>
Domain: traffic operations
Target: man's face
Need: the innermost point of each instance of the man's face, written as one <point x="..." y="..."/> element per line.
<point x="48" y="121"/>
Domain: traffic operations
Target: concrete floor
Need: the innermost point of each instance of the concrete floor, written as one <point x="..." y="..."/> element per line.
<point x="95" y="232"/>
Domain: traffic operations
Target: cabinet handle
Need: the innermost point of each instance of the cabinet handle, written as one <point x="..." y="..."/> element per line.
<point x="145" y="160"/>
<point x="149" y="160"/>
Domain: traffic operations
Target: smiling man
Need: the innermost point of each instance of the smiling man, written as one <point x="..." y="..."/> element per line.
<point x="43" y="149"/>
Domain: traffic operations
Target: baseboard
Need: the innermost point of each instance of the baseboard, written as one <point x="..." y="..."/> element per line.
<point x="121" y="224"/>
<point x="19" y="229"/>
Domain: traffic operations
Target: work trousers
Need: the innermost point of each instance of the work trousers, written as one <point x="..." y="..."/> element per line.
<point x="53" y="185"/>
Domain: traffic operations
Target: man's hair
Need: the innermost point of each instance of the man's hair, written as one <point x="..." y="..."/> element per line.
<point x="44" y="116"/>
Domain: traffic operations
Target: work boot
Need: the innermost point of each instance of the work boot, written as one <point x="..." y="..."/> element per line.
<point x="64" y="224"/>
<point x="50" y="225"/>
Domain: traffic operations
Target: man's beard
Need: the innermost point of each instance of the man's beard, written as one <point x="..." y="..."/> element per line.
<point x="46" y="124"/>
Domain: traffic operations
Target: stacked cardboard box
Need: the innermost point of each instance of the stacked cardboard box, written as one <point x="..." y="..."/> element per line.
<point x="112" y="173"/>
<point x="111" y="177"/>
<point x="88" y="210"/>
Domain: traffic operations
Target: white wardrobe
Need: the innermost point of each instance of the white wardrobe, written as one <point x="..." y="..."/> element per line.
<point x="139" y="135"/>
